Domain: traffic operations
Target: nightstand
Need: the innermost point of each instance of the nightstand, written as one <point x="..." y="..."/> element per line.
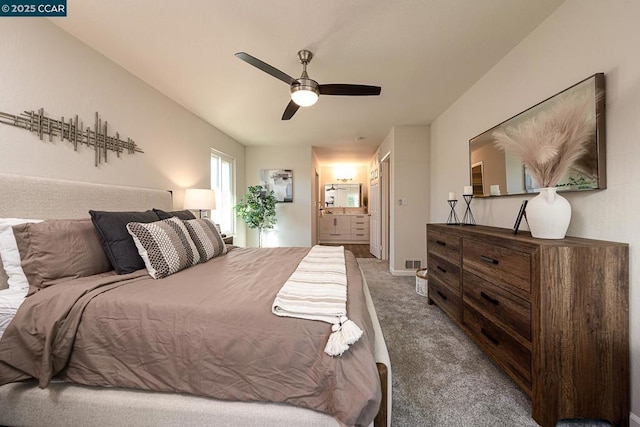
<point x="228" y="240"/>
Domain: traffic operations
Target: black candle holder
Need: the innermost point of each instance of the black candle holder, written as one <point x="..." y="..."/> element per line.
<point x="453" y="217"/>
<point x="468" y="218"/>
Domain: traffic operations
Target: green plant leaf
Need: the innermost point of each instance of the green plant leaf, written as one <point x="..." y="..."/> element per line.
<point x="257" y="208"/>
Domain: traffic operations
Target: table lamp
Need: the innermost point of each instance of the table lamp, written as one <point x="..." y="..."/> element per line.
<point x="199" y="199"/>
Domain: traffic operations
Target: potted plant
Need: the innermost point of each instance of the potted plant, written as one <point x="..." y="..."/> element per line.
<point x="258" y="209"/>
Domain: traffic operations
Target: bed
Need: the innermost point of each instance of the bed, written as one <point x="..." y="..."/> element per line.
<point x="64" y="402"/>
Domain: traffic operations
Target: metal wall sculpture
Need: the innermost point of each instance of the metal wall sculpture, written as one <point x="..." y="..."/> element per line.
<point x="73" y="132"/>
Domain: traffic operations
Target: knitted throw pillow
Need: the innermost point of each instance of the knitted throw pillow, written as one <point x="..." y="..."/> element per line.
<point x="206" y="237"/>
<point x="165" y="246"/>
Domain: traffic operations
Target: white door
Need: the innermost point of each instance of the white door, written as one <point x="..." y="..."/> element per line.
<point x="375" y="229"/>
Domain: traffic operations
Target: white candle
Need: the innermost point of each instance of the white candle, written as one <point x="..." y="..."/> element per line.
<point x="468" y="190"/>
<point x="452" y="195"/>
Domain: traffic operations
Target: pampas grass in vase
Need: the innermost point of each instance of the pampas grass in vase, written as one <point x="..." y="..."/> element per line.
<point x="549" y="143"/>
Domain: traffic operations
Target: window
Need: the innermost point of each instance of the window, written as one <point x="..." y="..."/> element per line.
<point x="223" y="182"/>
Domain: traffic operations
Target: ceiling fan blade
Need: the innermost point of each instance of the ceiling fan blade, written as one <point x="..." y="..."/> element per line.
<point x="291" y="109"/>
<point x="349" y="90"/>
<point x="265" y="67"/>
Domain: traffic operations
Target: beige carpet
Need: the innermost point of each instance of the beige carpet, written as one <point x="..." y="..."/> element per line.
<point x="440" y="377"/>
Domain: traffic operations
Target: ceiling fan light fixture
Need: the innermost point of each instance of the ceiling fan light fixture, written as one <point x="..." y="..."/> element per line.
<point x="305" y="93"/>
<point x="304" y="97"/>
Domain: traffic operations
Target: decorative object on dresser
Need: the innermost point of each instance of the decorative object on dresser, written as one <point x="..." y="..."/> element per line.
<point x="199" y="199"/>
<point x="549" y="215"/>
<point x="541" y="139"/>
<point x="551" y="143"/>
<point x="521" y="214"/>
<point x="453" y="217"/>
<point x="73" y="132"/>
<point x="554" y="315"/>
<point x="468" y="218"/>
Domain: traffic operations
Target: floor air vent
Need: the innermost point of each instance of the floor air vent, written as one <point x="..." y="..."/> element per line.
<point x="412" y="264"/>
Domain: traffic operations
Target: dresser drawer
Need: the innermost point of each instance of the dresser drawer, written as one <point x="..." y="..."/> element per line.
<point x="444" y="245"/>
<point x="445" y="272"/>
<point x="506" y="351"/>
<point x="448" y="301"/>
<point x="509" y="311"/>
<point x="503" y="266"/>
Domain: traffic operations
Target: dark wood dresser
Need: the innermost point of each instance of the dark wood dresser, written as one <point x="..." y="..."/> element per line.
<point x="553" y="314"/>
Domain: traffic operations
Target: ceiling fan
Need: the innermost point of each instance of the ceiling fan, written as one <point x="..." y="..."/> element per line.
<point x="305" y="91"/>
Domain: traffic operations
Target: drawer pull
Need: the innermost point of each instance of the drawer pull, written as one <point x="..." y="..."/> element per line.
<point x="441" y="243"/>
<point x="489" y="260"/>
<point x="441" y="269"/>
<point x="489" y="337"/>
<point x="443" y="296"/>
<point x="488" y="298"/>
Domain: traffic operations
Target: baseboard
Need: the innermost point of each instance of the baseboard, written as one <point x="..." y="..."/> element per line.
<point x="634" y="420"/>
<point x="402" y="272"/>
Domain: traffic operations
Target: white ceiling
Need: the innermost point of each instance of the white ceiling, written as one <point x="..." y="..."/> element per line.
<point x="424" y="54"/>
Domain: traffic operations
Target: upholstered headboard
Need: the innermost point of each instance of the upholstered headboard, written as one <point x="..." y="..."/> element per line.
<point x="45" y="198"/>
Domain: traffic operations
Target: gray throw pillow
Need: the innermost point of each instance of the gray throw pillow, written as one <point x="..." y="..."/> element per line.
<point x="116" y="240"/>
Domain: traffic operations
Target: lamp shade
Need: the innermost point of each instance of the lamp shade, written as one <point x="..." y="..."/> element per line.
<point x="199" y="199"/>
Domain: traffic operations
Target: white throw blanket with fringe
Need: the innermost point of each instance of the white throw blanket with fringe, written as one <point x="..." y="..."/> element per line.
<point x="317" y="290"/>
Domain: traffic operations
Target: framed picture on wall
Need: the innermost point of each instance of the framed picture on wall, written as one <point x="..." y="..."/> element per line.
<point x="280" y="181"/>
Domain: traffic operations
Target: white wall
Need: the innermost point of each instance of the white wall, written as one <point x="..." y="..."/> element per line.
<point x="581" y="38"/>
<point x="315" y="195"/>
<point x="408" y="147"/>
<point x="294" y="219"/>
<point x="42" y="66"/>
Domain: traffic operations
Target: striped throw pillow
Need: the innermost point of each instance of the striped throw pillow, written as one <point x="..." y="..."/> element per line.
<point x="165" y="246"/>
<point x="206" y="237"/>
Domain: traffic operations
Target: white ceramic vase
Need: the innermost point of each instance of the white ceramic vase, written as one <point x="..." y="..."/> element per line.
<point x="548" y="215"/>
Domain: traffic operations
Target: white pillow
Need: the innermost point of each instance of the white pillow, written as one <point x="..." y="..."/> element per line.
<point x="10" y="300"/>
<point x="9" y="253"/>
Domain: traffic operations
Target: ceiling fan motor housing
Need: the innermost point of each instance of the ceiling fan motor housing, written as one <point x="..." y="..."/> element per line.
<point x="305" y="56"/>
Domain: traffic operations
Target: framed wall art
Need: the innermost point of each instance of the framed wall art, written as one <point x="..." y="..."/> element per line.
<point x="505" y="173"/>
<point x="280" y="181"/>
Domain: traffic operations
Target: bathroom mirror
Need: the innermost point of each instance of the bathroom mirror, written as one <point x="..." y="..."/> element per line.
<point x="340" y="195"/>
<point x="493" y="172"/>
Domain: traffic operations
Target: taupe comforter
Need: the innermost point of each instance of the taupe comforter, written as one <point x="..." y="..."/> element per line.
<point x="207" y="330"/>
